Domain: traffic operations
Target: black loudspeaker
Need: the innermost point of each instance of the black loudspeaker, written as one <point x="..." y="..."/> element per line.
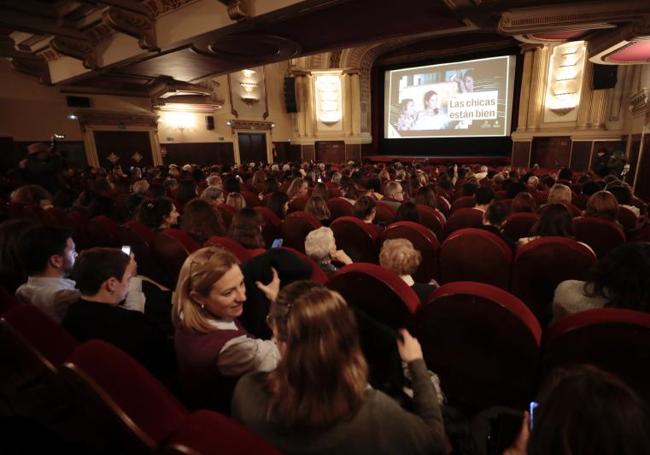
<point x="604" y="76"/>
<point x="77" y="101"/>
<point x="290" y="94"/>
<point x="209" y="122"/>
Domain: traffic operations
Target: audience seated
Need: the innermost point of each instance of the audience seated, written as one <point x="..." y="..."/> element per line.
<point x="32" y="195"/>
<point x="157" y="214"/>
<point x="619" y="280"/>
<point x="393" y="194"/>
<point x="400" y="257"/>
<point x="297" y="189"/>
<point x="12" y="273"/>
<point x="483" y="197"/>
<point x="555" y="220"/>
<point x="407" y="211"/>
<point x="213" y="348"/>
<point x="494" y="219"/>
<point x="201" y="220"/>
<point x="278" y="203"/>
<point x="317" y="207"/>
<point x="602" y="204"/>
<point x="214" y="195"/>
<point x="103" y="277"/>
<point x="523" y="202"/>
<point x="320" y="245"/>
<point x="236" y="200"/>
<point x="246" y="228"/>
<point x="318" y="399"/>
<point x="623" y="195"/>
<point x="48" y="255"/>
<point x="426" y="195"/>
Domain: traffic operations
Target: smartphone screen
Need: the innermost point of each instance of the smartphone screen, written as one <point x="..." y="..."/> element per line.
<point x="126" y="249"/>
<point x="277" y="243"/>
<point x="531" y="411"/>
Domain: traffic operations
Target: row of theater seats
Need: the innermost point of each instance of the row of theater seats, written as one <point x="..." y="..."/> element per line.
<point x="94" y="398"/>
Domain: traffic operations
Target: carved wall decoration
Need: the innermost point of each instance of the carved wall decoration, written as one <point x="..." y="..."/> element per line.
<point x="133" y="24"/>
<point x="640" y="102"/>
<point x="158" y="7"/>
<point x="247" y="90"/>
<point x="250" y="125"/>
<point x="83" y="50"/>
<point x="566" y="68"/>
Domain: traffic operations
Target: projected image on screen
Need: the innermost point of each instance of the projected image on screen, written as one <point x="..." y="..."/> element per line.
<point x="470" y="98"/>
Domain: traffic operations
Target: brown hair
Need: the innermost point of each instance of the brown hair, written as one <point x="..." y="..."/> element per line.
<point x="96" y="265"/>
<point x="245" y="228"/>
<point x="555" y="220"/>
<point x="602" y="204"/>
<point x="322" y="376"/>
<point x="523" y="202"/>
<point x="200" y="271"/>
<point x="399" y="256"/>
<point x="201" y="220"/>
<point x="295" y="186"/>
<point x="317" y="207"/>
<point x="236" y="200"/>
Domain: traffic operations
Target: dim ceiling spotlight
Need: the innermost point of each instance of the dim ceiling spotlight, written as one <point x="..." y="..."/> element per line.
<point x="272" y="125"/>
<point x="228" y="123"/>
<point x="72" y="117"/>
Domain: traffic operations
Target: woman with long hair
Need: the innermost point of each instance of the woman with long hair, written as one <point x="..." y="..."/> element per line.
<point x="317" y="207"/>
<point x="298" y="188"/>
<point x="318" y="399"/>
<point x="246" y="228"/>
<point x="278" y="203"/>
<point x="212" y="347"/>
<point x="554" y="221"/>
<point x="201" y="220"/>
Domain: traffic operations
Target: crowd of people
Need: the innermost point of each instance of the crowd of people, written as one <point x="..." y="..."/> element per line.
<point x="281" y="353"/>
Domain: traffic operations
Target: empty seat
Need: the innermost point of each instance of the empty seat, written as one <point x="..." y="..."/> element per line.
<point x="613" y="339"/>
<point x="295" y="228"/>
<point x="542" y="264"/>
<point x="484" y="344"/>
<point x="475" y="255"/>
<point x="356" y="238"/>
<point x="339" y="207"/>
<point x="518" y="224"/>
<point x="600" y="234"/>
<point x="423" y="240"/>
<point x="210" y="433"/>
<point x="271" y="226"/>
<point x="114" y="382"/>
<point x="463" y="218"/>
<point x="432" y="219"/>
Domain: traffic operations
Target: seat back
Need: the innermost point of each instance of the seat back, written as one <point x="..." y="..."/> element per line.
<point x="171" y="247"/>
<point x="230" y="245"/>
<point x="141" y="403"/>
<point x="423" y="240"/>
<point x="484" y="344"/>
<point x="384" y="213"/>
<point x="339" y="207"/>
<point x="103" y="231"/>
<point x="627" y="218"/>
<point x="432" y="219"/>
<point x="444" y="205"/>
<point x="518" y="224"/>
<point x="463" y="218"/>
<point x="252" y="200"/>
<point x="271" y="226"/>
<point x="475" y="255"/>
<point x="295" y="228"/>
<point x="542" y="264"/>
<point x="463" y="202"/>
<point x="600" y="234"/>
<point x="613" y="339"/>
<point x="355" y="238"/>
<point x="210" y="433"/>
<point x="317" y="274"/>
<point x="142" y="230"/>
<point x="298" y="204"/>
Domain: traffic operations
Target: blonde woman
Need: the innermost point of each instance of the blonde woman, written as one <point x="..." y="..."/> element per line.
<point x="318" y="399"/>
<point x="212" y="347"/>
<point x="298" y="189"/>
<point x="399" y="256"/>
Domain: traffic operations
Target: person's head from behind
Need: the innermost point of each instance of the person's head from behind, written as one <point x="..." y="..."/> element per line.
<point x="317" y="207"/>
<point x="214" y="195"/>
<point x="559" y="194"/>
<point x="592" y="187"/>
<point x="157" y="213"/>
<point x="622" y="277"/>
<point x="236" y="200"/>
<point x="524" y="202"/>
<point x="140" y="186"/>
<point x="202" y="219"/>
<point x="496" y="214"/>
<point x="231" y="184"/>
<point x="320" y="189"/>
<point x="400" y="257"/>
<point x="365" y="209"/>
<point x="31" y="195"/>
<point x="298" y="188"/>
<point x="104" y="274"/>
<point x="584" y="410"/>
<point x="186" y="190"/>
<point x="622" y="193"/>
<point x="407" y="211"/>
<point x="47" y="251"/>
<point x="602" y="204"/>
<point x="393" y="190"/>
<point x="565" y="174"/>
<point x="214" y="180"/>
<point x="555" y="220"/>
<point x="484" y="196"/>
<point x="278" y="203"/>
<point x="320" y="245"/>
<point x="246" y="228"/>
<point x="426" y="196"/>
<point x="469" y="188"/>
<point x="322" y="376"/>
<point x="210" y="286"/>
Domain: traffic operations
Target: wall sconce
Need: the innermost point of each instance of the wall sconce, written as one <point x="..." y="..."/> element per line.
<point x="566" y="68"/>
<point x="328" y="98"/>
<point x="250" y="87"/>
<point x="178" y="120"/>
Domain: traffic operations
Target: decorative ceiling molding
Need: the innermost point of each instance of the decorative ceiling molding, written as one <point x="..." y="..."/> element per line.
<point x="159" y="7"/>
<point x="91" y="117"/>
<point x="182" y="96"/>
<point x="640" y="102"/>
<point x="248" y="47"/>
<point x="84" y="50"/>
<point x="237" y="124"/>
<point x="139" y="26"/>
<point x="603" y="46"/>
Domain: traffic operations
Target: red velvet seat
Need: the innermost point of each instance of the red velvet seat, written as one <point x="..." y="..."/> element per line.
<point x="423" y="240"/>
<point x="463" y="218"/>
<point x="77" y="222"/>
<point x="252" y="200"/>
<point x="227" y="212"/>
<point x="171" y="247"/>
<point x="142" y="230"/>
<point x="541" y="197"/>
<point x="463" y="202"/>
<point x="472" y="254"/>
<point x="501" y="194"/>
<point x="385" y="213"/>
<point x="518" y="224"/>
<point x="103" y="231"/>
<point x="613" y="339"/>
<point x="298" y="204"/>
<point x="484" y="344"/>
<point x="356" y="238"/>
<point x="444" y="205"/>
<point x="542" y="264"/>
<point x="295" y="228"/>
<point x="119" y="385"/>
<point x="339" y="207"/>
<point x="432" y="219"/>
<point x="627" y="218"/>
<point x="600" y="234"/>
<point x="317" y="274"/>
<point x="210" y="433"/>
<point x="271" y="226"/>
<point x="231" y="245"/>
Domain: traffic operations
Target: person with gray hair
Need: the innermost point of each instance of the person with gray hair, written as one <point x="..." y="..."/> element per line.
<point x="320" y="245"/>
<point x="214" y="195"/>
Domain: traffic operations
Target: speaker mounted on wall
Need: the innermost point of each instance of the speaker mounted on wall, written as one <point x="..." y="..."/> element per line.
<point x="78" y="101"/>
<point x="290" y="94"/>
<point x="604" y="77"/>
<point x="209" y="122"/>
